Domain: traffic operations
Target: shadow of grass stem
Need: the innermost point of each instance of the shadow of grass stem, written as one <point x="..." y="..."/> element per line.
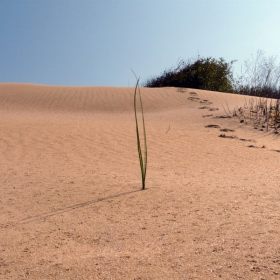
<point x="142" y="156"/>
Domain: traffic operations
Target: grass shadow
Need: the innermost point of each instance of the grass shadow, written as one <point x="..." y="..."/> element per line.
<point x="73" y="207"/>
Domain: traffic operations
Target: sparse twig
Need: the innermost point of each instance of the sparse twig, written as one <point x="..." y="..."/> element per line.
<point x="167" y="130"/>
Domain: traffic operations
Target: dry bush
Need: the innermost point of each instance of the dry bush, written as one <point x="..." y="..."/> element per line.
<point x="264" y="113"/>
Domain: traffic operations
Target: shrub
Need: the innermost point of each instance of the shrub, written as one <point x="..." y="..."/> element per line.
<point x="203" y="73"/>
<point x="261" y="77"/>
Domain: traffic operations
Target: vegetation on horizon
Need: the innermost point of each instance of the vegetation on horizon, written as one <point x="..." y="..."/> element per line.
<point x="203" y="73"/>
<point x="260" y="78"/>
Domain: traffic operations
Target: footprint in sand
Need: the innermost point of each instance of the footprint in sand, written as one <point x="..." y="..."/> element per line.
<point x="227" y="130"/>
<point x="194" y="98"/>
<point x="213" y="125"/>
<point x="205" y="101"/>
<point x="251" y="146"/>
<point x="248" y="140"/>
<point x="193" y="93"/>
<point x="209" y="108"/>
<point x="222" y="117"/>
<point x="182" y="90"/>
<point x="227" y="136"/>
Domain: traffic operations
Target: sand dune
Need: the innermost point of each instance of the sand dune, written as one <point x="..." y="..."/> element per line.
<point x="71" y="205"/>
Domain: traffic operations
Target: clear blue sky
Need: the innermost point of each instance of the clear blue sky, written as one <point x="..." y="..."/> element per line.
<point x="96" y="42"/>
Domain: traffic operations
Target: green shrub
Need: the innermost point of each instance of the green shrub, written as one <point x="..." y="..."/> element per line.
<point x="203" y="73"/>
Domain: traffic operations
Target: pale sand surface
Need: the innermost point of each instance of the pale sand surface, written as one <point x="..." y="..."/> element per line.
<point x="71" y="205"/>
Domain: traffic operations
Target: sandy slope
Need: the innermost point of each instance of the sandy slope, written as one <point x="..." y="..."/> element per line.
<point x="70" y="200"/>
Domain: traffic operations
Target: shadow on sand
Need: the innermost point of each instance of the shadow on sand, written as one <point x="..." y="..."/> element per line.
<point x="73" y="207"/>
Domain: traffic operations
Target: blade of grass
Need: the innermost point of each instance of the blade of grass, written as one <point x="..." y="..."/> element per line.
<point x="142" y="158"/>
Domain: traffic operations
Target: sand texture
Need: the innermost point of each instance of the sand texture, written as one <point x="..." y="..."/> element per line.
<point x="71" y="204"/>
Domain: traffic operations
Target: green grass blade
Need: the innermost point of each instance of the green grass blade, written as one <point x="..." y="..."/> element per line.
<point x="143" y="163"/>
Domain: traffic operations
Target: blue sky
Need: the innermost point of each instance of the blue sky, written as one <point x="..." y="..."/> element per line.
<point x="97" y="42"/>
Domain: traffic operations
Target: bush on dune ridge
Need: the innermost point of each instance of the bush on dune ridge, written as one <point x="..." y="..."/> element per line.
<point x="260" y="78"/>
<point x="203" y="73"/>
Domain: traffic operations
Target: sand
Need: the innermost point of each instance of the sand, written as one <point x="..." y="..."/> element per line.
<point x="71" y="204"/>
